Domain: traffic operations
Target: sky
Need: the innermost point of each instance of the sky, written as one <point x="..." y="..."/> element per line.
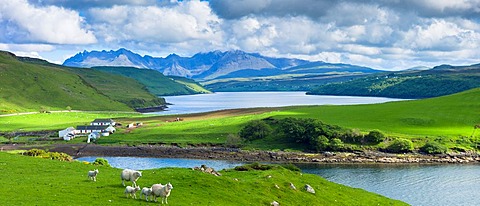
<point x="382" y="34"/>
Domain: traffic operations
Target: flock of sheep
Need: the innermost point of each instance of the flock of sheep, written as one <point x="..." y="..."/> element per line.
<point x="156" y="190"/>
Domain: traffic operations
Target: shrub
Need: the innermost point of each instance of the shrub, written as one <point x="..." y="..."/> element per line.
<point x="59" y="156"/>
<point x="400" y="145"/>
<point x="49" y="155"/>
<point x="374" y="137"/>
<point x="256" y="129"/>
<point x="254" y="166"/>
<point x="35" y="152"/>
<point x="320" y="143"/>
<point x="233" y="141"/>
<point x="102" y="162"/>
<point x="433" y="148"/>
<point x="336" y="144"/>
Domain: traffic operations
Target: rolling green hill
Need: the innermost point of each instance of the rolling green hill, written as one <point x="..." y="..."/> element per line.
<point x="28" y="87"/>
<point x="439" y="81"/>
<point x="32" y="85"/>
<point x="50" y="182"/>
<point x="119" y="88"/>
<point x="156" y="82"/>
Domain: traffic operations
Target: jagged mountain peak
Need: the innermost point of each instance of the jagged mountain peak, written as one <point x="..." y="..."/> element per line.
<point x="201" y="66"/>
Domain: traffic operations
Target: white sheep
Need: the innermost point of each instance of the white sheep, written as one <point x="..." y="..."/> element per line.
<point x="130" y="175"/>
<point x="92" y="175"/>
<point x="129" y="190"/>
<point x="147" y="191"/>
<point x="159" y="190"/>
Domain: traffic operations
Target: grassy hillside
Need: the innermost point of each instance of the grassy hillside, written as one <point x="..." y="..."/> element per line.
<point x="439" y="81"/>
<point x="50" y="182"/>
<point x="119" y="88"/>
<point x="29" y="87"/>
<point x="284" y="82"/>
<point x="156" y="82"/>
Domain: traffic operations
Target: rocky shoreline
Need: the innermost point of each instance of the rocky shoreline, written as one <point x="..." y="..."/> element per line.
<point x="221" y="153"/>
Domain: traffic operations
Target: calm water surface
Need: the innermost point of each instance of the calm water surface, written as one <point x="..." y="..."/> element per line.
<point x="232" y="100"/>
<point x="415" y="184"/>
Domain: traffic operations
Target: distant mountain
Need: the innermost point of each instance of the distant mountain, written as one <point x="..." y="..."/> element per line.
<point x="438" y="81"/>
<point x="212" y="65"/>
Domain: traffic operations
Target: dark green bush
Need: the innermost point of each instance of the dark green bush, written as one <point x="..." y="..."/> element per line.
<point x="254" y="166"/>
<point x="256" y="129"/>
<point x="400" y="146"/>
<point x="374" y="137"/>
<point x="101" y="161"/>
<point x="433" y="148"/>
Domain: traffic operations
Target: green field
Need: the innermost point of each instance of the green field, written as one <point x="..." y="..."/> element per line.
<point x="449" y="120"/>
<point x="55" y="121"/>
<point x="36" y="181"/>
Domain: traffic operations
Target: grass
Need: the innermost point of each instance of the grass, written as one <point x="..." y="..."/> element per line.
<point x="119" y="88"/>
<point x="53" y="121"/>
<point x="49" y="182"/>
<point x="28" y="87"/>
<point x="449" y="120"/>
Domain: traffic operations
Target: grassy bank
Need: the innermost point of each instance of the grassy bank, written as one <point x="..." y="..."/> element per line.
<point x="35" y="181"/>
<point x="448" y="120"/>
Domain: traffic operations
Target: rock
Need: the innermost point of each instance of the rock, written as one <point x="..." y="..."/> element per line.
<point x="309" y="189"/>
<point x="276" y="186"/>
<point x="275" y="203"/>
<point x="292" y="186"/>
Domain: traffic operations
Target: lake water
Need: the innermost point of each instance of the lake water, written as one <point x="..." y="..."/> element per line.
<point x="232" y="100"/>
<point x="415" y="184"/>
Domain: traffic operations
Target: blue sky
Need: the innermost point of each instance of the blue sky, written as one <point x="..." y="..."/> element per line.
<point x="383" y="34"/>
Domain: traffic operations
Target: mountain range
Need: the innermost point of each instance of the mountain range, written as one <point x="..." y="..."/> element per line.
<point x="212" y="65"/>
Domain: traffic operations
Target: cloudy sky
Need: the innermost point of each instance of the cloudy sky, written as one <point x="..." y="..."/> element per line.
<point x="383" y="34"/>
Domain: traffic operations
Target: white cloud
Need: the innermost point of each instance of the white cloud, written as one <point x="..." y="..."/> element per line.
<point x="187" y="21"/>
<point x="23" y="22"/>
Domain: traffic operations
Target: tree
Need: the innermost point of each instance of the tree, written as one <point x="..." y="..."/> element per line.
<point x="374" y="137"/>
<point x="256" y="129"/>
<point x="69" y="108"/>
<point x="400" y="145"/>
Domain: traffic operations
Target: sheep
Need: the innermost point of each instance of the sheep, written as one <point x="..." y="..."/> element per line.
<point x="92" y="175"/>
<point x="130" y="175"/>
<point x="129" y="190"/>
<point x="159" y="190"/>
<point x="147" y="191"/>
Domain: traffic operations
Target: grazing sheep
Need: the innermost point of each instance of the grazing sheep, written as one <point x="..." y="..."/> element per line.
<point x="159" y="190"/>
<point x="130" y="175"/>
<point x="147" y="191"/>
<point x="129" y="190"/>
<point x="92" y="175"/>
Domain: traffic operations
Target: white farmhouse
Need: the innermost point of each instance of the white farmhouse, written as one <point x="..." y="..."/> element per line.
<point x="102" y="122"/>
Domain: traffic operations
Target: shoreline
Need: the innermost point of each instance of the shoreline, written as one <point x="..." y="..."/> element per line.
<point x="233" y="154"/>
